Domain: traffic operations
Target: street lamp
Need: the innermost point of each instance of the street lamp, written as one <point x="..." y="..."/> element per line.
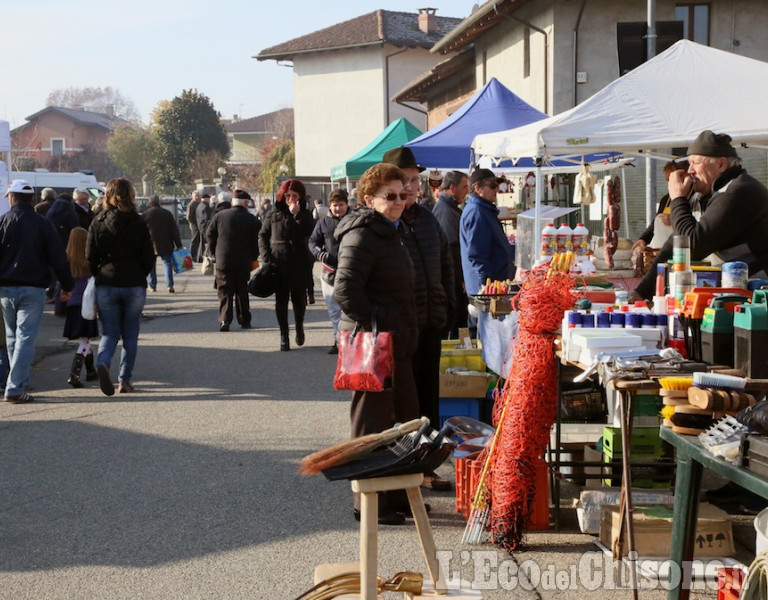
<point x="283" y="169"/>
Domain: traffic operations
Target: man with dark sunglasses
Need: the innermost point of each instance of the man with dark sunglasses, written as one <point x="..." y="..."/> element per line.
<point x="485" y="250"/>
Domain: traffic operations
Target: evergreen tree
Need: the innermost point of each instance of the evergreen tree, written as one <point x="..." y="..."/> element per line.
<point x="189" y="126"/>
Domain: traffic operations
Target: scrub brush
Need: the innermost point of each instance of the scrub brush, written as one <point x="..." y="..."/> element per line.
<point x="729" y="382"/>
<point x="675" y="387"/>
<point x="675" y="383"/>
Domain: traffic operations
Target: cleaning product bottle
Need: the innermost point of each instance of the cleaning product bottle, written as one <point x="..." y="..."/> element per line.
<point x="548" y="241"/>
<point x="563" y="237"/>
<point x="580" y="240"/>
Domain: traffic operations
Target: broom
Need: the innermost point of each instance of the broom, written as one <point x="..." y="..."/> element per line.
<point x="344" y="452"/>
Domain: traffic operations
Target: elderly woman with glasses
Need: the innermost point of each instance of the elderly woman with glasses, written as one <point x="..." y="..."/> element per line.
<point x="485" y="250"/>
<point x="374" y="280"/>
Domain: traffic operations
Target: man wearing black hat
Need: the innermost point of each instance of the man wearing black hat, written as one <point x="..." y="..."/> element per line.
<point x="485" y="249"/>
<point x="433" y="287"/>
<point x="734" y="221"/>
<point x="233" y="239"/>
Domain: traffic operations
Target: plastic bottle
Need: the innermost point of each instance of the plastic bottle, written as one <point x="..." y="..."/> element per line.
<point x="580" y="240"/>
<point x="641" y="306"/>
<point x="604" y="319"/>
<point x="563" y="237"/>
<point x="681" y="253"/>
<point x="682" y="277"/>
<point x="548" y="241"/>
<point x="735" y="274"/>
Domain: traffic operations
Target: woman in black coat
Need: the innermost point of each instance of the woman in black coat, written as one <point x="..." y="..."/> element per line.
<point x="283" y="244"/>
<point x="374" y="279"/>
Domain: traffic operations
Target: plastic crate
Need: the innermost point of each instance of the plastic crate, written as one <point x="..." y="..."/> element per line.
<point x="729" y="580"/>
<point x="471" y="359"/>
<point x="647" y="405"/>
<point x="460" y="407"/>
<point x="583" y="405"/>
<point x="645" y="442"/>
<point x="467" y="473"/>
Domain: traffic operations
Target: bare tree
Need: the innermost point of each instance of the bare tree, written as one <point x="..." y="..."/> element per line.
<point x="107" y="100"/>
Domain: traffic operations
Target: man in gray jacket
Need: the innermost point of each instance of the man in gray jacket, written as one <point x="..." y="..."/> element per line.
<point x="165" y="236"/>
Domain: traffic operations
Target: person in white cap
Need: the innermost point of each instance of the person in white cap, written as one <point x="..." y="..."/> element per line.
<point x="30" y="247"/>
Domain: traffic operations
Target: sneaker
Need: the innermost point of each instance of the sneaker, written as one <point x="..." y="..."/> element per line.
<point x="125" y="387"/>
<point x="223" y="326"/>
<point x="105" y="382"/>
<point x="170" y="290"/>
<point x="22" y="399"/>
<point x="152" y="289"/>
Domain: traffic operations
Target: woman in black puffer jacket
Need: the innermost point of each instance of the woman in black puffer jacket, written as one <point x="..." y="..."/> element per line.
<point x="283" y="243"/>
<point x="374" y="277"/>
<point x="120" y="255"/>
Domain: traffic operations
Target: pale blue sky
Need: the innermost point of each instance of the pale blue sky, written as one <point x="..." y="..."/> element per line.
<point x="151" y="50"/>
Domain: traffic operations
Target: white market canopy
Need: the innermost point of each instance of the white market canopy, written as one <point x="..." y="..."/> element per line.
<point x="664" y="103"/>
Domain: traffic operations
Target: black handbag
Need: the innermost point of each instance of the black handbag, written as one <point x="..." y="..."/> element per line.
<point x="264" y="281"/>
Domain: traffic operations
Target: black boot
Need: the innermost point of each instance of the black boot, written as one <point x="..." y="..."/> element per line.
<point x="74" y="375"/>
<point x="90" y="370"/>
<point x="299" y="333"/>
<point x="285" y="344"/>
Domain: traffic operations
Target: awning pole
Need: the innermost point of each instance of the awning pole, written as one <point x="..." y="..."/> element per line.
<point x="537" y="211"/>
<point x="624" y="202"/>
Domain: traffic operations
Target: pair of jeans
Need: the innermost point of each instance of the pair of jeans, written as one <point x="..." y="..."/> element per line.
<point x="334" y="310"/>
<point x="22" y="312"/>
<point x="120" y="316"/>
<point x="168" y="271"/>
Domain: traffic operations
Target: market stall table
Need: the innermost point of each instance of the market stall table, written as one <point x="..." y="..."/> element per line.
<point x="692" y="457"/>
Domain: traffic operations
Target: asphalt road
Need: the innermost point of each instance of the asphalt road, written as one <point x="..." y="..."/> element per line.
<point x="189" y="488"/>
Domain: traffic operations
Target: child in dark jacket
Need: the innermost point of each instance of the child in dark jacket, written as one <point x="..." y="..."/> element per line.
<point x="75" y="326"/>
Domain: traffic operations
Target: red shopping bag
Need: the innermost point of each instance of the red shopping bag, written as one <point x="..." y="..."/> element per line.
<point x="366" y="360"/>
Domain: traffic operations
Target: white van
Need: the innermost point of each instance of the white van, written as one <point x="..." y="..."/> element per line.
<point x="60" y="182"/>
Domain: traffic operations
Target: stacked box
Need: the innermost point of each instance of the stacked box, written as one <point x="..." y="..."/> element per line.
<point x="463" y="386"/>
<point x="646" y="446"/>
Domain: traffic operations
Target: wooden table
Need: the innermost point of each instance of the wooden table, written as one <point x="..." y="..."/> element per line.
<point x="691" y="460"/>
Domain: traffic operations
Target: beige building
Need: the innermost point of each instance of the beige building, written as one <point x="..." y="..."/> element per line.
<point x="247" y="137"/>
<point x="55" y="133"/>
<point x="345" y="76"/>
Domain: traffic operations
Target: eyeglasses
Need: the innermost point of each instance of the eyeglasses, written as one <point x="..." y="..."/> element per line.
<point x="392" y="196"/>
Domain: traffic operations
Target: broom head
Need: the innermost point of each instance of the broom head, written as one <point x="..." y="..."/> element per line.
<point x="349" y="450"/>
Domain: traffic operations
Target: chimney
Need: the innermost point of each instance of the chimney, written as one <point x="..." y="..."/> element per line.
<point x="427" y="20"/>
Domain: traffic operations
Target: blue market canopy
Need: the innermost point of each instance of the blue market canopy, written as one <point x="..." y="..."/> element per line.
<point x="397" y="134"/>
<point x="493" y="108"/>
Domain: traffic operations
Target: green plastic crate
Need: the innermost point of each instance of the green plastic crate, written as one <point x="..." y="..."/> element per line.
<point x="645" y="442"/>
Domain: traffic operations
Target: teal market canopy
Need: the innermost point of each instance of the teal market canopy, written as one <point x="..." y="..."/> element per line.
<point x="397" y="134"/>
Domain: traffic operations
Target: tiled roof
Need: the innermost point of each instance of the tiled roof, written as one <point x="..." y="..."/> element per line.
<point x="377" y="27"/>
<point x="418" y="89"/>
<point x="84" y="117"/>
<point x="483" y="18"/>
<point x="260" y="124"/>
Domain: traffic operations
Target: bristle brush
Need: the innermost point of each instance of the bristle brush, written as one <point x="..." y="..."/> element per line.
<point x="729" y="382"/>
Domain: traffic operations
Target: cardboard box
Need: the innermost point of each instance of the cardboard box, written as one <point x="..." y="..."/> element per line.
<point x="463" y="386"/>
<point x="653" y="531"/>
<point x="591" y="501"/>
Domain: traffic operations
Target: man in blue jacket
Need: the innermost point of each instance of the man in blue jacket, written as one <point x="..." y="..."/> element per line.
<point x="29" y="247"/>
<point x="485" y="250"/>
